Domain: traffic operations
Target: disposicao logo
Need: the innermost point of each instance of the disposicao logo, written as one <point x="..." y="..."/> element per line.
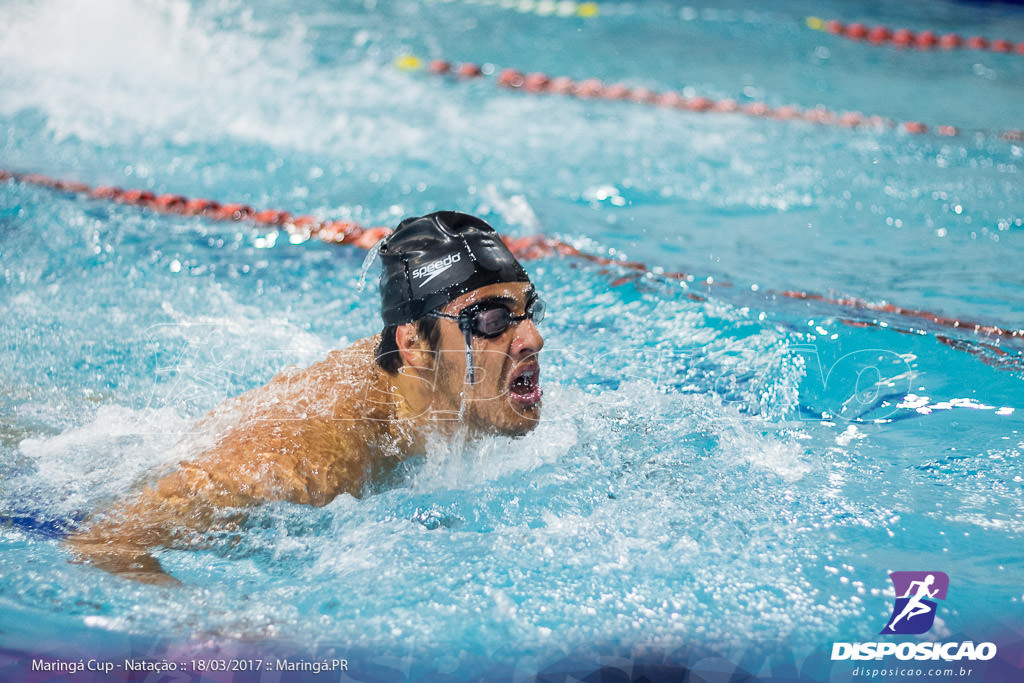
<point x="913" y="613"/>
<point x="914" y="610"/>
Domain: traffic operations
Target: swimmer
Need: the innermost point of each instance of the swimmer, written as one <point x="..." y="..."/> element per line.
<point x="458" y="354"/>
<point x="914" y="606"/>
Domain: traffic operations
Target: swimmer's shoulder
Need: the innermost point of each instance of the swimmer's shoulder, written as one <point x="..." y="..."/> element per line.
<point x="352" y="363"/>
<point x="360" y="353"/>
<point x="319" y="391"/>
<point x="350" y="380"/>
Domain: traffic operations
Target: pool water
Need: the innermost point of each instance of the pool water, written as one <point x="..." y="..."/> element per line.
<point x="720" y="472"/>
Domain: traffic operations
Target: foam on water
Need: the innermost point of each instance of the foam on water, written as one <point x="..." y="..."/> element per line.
<point x="184" y="78"/>
<point x="65" y="469"/>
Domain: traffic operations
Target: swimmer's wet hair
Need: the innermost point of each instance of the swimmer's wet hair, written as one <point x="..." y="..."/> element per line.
<point x="387" y="356"/>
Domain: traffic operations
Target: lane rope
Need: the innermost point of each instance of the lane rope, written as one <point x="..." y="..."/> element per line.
<point x="593" y="88"/>
<point x="337" y="232"/>
<point x="907" y="39"/>
<point x="527" y="248"/>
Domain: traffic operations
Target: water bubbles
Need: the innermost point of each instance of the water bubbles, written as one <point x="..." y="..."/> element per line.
<point x="605" y="193"/>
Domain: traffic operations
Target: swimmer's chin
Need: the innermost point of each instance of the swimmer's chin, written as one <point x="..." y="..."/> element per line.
<point x="527" y="422"/>
<point x="521" y="431"/>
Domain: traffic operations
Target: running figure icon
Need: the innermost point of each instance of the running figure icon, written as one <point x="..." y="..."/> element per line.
<point x="914" y="608"/>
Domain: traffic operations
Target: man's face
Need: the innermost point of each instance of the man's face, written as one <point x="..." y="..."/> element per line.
<point x="505" y="395"/>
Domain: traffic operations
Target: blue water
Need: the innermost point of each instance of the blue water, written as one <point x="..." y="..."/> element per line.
<point x="728" y="471"/>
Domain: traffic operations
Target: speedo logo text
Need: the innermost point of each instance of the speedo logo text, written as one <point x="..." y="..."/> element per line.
<point x="435" y="268"/>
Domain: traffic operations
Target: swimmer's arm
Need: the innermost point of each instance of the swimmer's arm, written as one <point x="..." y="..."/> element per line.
<point x="193" y="498"/>
<point x="119" y="539"/>
<point x="270" y="456"/>
<point x="121" y="559"/>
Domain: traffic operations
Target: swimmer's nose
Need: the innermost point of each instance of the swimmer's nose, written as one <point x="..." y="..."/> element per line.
<point x="527" y="341"/>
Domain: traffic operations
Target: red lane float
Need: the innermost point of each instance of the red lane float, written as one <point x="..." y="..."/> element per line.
<point x="339" y="232"/>
<point x="593" y="88"/>
<point x="903" y="37"/>
<point x="529" y="247"/>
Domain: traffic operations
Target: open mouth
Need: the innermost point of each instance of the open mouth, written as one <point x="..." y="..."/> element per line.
<point x="524" y="387"/>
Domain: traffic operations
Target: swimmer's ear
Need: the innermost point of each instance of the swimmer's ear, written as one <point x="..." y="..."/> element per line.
<point x="415" y="352"/>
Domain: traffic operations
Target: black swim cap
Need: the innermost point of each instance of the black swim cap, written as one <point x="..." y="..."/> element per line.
<point x="429" y="261"/>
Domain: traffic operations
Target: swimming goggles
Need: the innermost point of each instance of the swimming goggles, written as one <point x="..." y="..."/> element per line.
<point x="489" y="319"/>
